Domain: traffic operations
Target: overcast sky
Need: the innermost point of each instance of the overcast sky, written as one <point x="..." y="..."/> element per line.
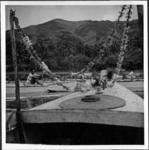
<point x="32" y="15"/>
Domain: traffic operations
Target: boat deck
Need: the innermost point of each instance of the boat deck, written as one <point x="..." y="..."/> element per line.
<point x="132" y="114"/>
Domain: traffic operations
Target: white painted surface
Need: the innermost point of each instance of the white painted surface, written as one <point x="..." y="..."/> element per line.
<point x="132" y="114"/>
<point x="134" y="103"/>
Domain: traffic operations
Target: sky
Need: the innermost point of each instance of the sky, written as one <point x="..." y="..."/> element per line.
<point x="32" y="15"/>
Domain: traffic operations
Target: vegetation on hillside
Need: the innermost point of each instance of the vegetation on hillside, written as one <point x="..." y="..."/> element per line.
<point x="70" y="46"/>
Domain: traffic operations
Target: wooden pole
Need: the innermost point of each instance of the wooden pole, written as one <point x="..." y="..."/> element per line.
<point x="17" y="86"/>
<point x="140" y="21"/>
<point x="140" y="16"/>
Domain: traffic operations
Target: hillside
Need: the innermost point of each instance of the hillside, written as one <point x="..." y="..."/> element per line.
<point x="88" y="31"/>
<point x="64" y="44"/>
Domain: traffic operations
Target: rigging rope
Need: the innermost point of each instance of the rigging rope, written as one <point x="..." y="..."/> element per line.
<point x="124" y="42"/>
<point x="108" y="43"/>
<point x="114" y="34"/>
<point x="32" y="52"/>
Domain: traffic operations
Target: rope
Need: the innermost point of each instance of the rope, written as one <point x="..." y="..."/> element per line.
<point x="124" y="42"/>
<point x="33" y="55"/>
<point x="114" y="34"/>
<point x="107" y="43"/>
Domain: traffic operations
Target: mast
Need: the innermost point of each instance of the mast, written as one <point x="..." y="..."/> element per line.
<point x="140" y="20"/>
<point x="140" y="16"/>
<point x="17" y="86"/>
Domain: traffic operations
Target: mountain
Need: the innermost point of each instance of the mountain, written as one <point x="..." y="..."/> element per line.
<point x="64" y="44"/>
<point x="89" y="31"/>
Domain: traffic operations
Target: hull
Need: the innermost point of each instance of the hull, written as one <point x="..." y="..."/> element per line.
<point x="49" y="123"/>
